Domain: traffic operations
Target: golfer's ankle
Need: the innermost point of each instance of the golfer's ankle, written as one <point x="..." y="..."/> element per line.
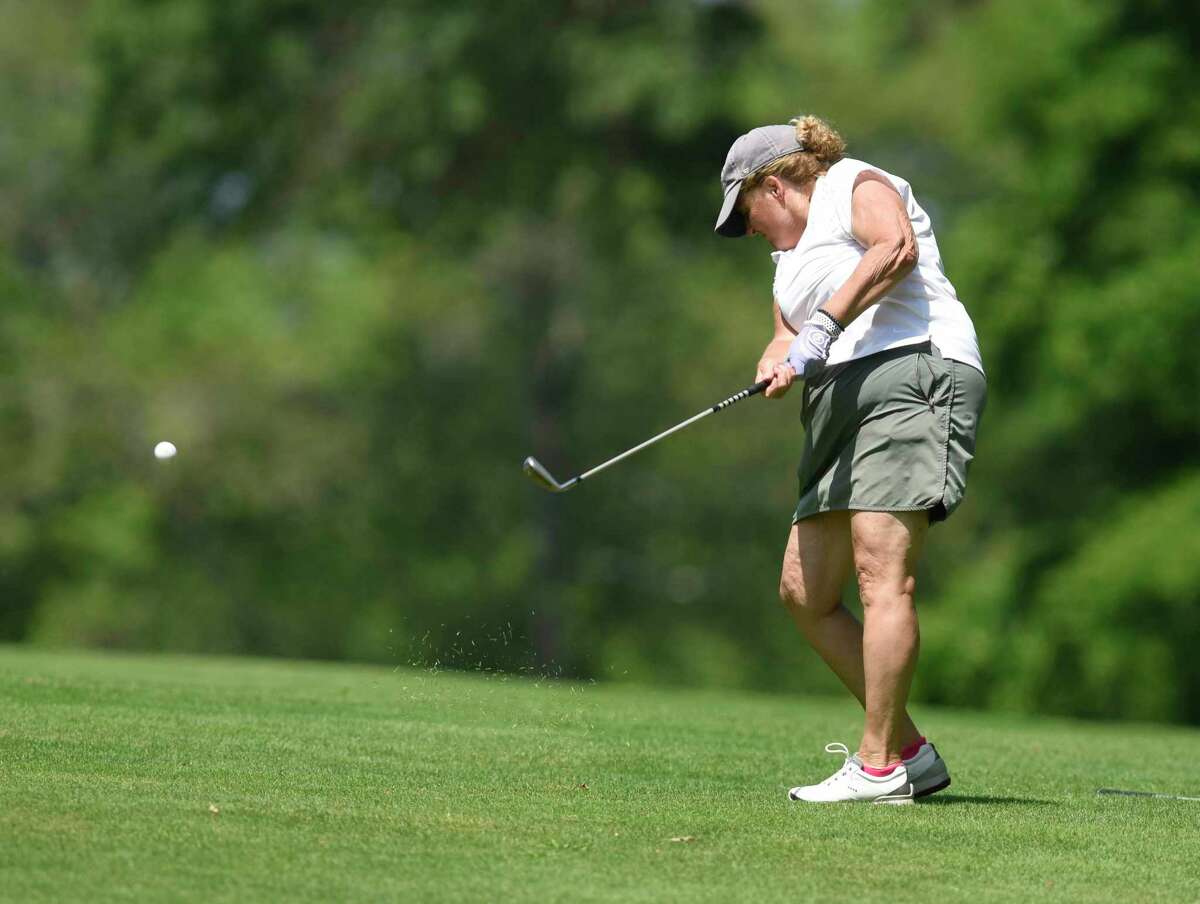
<point x="908" y="751"/>
<point x="910" y="741"/>
<point x="878" y="756"/>
<point x="881" y="771"/>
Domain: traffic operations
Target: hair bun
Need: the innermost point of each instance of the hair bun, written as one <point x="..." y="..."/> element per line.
<point x="819" y="138"/>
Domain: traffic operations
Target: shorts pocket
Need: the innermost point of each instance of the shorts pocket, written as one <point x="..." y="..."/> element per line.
<point x="932" y="378"/>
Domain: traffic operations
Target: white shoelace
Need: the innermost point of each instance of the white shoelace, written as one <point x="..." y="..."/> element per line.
<point x="847" y="766"/>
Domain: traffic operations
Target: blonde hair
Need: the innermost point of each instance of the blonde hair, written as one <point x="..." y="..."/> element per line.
<point x="822" y="148"/>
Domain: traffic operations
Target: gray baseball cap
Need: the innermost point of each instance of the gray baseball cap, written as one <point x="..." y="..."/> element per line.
<point x="752" y="151"/>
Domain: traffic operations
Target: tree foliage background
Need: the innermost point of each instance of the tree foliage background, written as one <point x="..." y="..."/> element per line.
<point x="357" y="260"/>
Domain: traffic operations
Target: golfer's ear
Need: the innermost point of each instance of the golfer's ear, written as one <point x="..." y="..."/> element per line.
<point x="773" y="186"/>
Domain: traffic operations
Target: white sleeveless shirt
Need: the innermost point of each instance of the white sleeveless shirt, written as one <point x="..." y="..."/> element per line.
<point x="921" y="306"/>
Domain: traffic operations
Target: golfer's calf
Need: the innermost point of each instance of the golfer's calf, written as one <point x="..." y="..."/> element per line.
<point x="816" y="566"/>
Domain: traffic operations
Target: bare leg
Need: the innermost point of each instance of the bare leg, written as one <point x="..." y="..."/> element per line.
<point x="816" y="566"/>
<point x="886" y="548"/>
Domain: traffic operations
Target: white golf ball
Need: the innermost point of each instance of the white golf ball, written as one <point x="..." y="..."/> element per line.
<point x="164" y="450"/>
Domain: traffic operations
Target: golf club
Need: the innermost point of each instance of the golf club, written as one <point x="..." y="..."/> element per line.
<point x="1106" y="792"/>
<point x="537" y="472"/>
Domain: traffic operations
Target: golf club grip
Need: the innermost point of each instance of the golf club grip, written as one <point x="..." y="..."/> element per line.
<point x="744" y="394"/>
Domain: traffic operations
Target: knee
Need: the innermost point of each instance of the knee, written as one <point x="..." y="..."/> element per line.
<point x="791" y="594"/>
<point x="798" y="600"/>
<point x="882" y="587"/>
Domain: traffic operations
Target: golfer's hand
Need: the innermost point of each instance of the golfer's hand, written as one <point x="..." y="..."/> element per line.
<point x="781" y="375"/>
<point x="810" y="349"/>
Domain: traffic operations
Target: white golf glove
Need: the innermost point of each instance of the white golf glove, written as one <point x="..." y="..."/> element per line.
<point x="810" y="349"/>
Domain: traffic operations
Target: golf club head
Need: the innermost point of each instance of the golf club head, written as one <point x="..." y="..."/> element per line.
<point x="535" y="472"/>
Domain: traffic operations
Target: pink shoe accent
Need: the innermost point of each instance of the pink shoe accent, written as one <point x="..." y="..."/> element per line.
<point x="880" y="773"/>
<point x="912" y="749"/>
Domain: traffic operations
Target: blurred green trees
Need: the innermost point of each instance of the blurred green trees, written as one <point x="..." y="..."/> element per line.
<point x="358" y="260"/>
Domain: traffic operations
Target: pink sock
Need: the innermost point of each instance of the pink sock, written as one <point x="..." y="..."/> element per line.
<point x="911" y="750"/>
<point x="878" y="772"/>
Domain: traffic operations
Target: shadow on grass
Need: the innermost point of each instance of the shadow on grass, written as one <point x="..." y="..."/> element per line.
<point x="943" y="800"/>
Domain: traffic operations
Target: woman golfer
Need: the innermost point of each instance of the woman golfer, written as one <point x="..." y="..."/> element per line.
<point x="893" y="392"/>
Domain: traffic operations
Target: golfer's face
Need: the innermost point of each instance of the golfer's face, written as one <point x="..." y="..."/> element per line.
<point x="768" y="216"/>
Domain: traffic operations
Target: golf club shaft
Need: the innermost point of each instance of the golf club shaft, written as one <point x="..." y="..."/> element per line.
<point x="737" y="397"/>
<point x="1120" y="792"/>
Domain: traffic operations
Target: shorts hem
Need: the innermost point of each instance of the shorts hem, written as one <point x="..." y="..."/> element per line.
<point x="860" y="507"/>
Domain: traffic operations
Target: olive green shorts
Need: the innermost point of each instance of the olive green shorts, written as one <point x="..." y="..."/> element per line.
<point x="892" y="432"/>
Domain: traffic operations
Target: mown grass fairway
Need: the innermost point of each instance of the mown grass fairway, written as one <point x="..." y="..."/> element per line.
<point x="234" y="780"/>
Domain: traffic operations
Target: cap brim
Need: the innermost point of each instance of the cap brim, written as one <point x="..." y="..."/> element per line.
<point x="730" y="222"/>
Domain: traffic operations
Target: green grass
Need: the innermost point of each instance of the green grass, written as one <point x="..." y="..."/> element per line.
<point x="165" y="778"/>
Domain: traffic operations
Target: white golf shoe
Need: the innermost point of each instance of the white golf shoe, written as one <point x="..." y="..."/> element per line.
<point x="927" y="771"/>
<point x="851" y="783"/>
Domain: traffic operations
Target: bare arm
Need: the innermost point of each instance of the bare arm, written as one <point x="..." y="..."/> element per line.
<point x="774" y="358"/>
<point x="881" y="225"/>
